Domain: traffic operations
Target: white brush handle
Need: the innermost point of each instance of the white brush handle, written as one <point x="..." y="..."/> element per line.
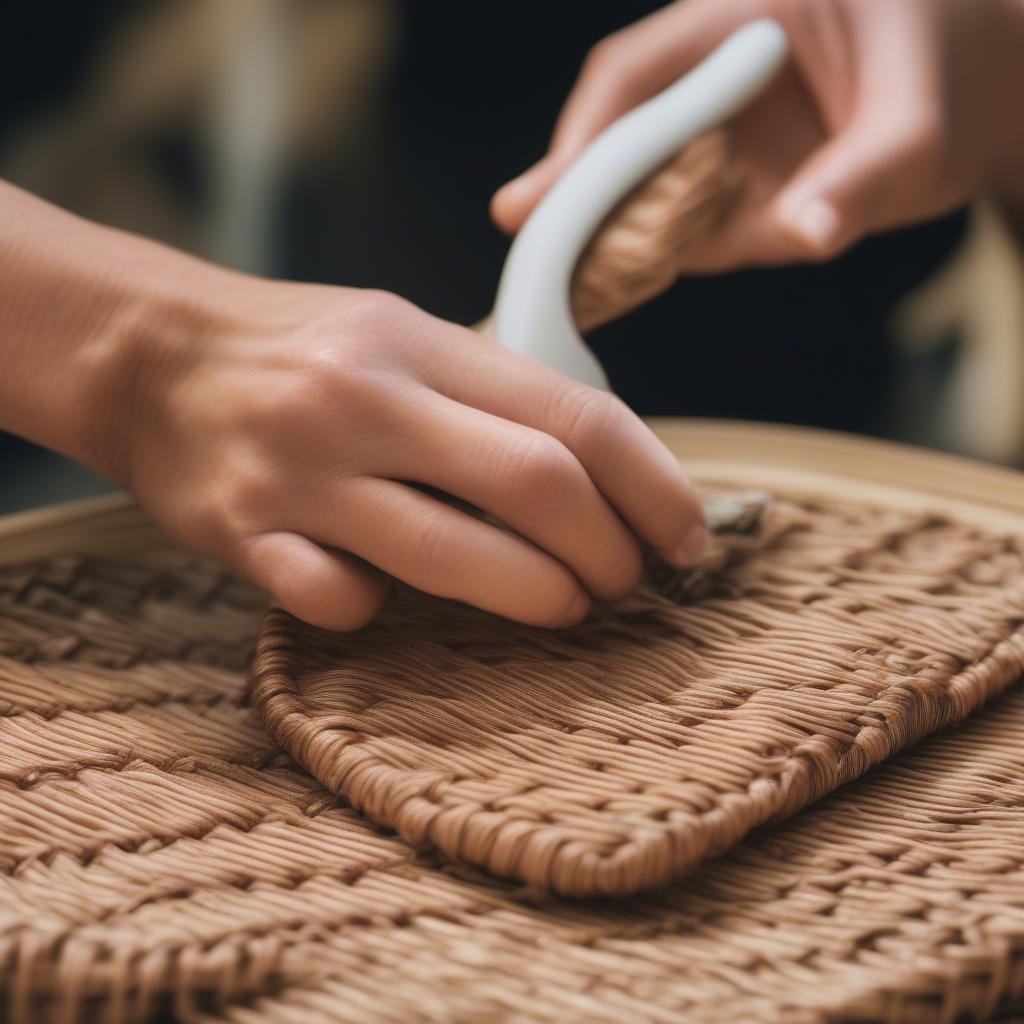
<point x="532" y="313"/>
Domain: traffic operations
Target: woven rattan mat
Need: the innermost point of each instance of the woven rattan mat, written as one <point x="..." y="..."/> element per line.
<point x="617" y="756"/>
<point x="160" y="860"/>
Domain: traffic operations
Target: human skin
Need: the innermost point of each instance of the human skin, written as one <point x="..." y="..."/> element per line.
<point x="300" y="433"/>
<point x="889" y="112"/>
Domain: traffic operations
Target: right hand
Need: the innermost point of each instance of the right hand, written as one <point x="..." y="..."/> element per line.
<point x="285" y="443"/>
<point x="889" y="112"/>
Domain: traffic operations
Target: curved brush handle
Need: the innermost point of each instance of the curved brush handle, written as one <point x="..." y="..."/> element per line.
<point x="532" y="314"/>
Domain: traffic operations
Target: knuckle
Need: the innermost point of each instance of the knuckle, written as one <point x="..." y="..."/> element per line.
<point x="616" y="64"/>
<point x="910" y="144"/>
<point x="200" y="528"/>
<point x="537" y="467"/>
<point x="374" y="310"/>
<point x="920" y="141"/>
<point x="590" y="417"/>
<point x="276" y="405"/>
<point x="339" y="369"/>
<point x="240" y="502"/>
<point x="431" y="551"/>
<point x="602" y="56"/>
<point x="209" y="523"/>
<point x="826" y="250"/>
<point x="241" y="493"/>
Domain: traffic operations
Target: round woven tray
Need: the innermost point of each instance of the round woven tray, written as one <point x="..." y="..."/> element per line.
<point x="163" y="860"/>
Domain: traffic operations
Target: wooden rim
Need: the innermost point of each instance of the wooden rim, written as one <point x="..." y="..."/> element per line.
<point x="110" y="525"/>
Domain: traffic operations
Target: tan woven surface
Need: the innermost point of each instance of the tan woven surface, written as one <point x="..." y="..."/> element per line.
<point x="638" y="250"/>
<point x="162" y="861"/>
<point x="618" y="755"/>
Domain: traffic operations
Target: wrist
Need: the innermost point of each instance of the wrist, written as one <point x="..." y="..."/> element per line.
<point x="168" y="312"/>
<point x="83" y="311"/>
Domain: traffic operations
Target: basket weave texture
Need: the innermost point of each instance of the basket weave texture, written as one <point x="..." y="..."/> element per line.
<point x="617" y="756"/>
<point x="161" y="860"/>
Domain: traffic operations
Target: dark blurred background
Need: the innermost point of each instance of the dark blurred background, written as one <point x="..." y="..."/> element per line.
<point x="359" y="141"/>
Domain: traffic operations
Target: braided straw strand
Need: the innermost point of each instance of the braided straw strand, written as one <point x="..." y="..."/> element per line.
<point x="635" y="255"/>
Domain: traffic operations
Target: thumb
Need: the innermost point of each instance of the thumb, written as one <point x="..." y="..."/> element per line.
<point x="512" y="203"/>
<point x="620" y="72"/>
<point x="855" y="184"/>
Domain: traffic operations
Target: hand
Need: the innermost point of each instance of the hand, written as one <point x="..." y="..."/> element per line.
<point x="890" y="112"/>
<point x="293" y="442"/>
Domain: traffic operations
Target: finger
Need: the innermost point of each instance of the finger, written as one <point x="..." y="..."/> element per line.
<point x="751" y="236"/>
<point x="619" y="73"/>
<point x="324" y="588"/>
<point x="515" y="200"/>
<point x="634" y="471"/>
<point x="441" y="550"/>
<point x="852" y="186"/>
<point x="771" y="139"/>
<point x="884" y="159"/>
<point x="528" y="480"/>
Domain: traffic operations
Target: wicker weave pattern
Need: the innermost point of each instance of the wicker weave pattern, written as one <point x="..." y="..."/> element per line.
<point x="637" y="252"/>
<point x="617" y="756"/>
<point x="231" y="887"/>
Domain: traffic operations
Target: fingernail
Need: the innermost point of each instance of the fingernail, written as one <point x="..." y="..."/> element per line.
<point x="576" y="613"/>
<point x="693" y="548"/>
<point x="815" y="221"/>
